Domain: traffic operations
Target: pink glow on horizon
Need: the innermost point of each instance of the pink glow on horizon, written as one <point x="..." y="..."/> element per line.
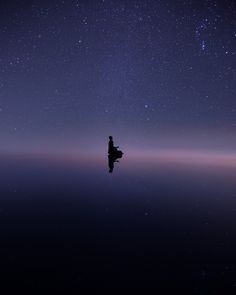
<point x="193" y="157"/>
<point x="174" y="156"/>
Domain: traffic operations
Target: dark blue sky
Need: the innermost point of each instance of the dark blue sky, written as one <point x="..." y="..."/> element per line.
<point x="150" y="73"/>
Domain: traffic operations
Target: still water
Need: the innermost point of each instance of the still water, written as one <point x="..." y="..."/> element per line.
<point x="68" y="224"/>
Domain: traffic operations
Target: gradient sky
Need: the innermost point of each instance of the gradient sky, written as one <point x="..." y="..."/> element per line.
<point x="154" y="74"/>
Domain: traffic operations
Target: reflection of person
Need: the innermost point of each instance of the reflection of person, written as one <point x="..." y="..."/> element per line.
<point x="111" y="147"/>
<point x="111" y="161"/>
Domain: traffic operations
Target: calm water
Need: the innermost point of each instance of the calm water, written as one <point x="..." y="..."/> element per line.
<point x="69" y="224"/>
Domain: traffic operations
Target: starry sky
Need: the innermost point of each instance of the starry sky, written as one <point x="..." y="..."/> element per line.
<point x="154" y="74"/>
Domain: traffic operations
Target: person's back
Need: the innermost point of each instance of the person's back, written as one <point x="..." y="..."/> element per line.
<point x="110" y="145"/>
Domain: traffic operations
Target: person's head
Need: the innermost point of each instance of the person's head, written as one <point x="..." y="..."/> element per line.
<point x="110" y="137"/>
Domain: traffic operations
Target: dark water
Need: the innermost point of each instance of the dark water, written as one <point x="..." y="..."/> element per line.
<point x="70" y="225"/>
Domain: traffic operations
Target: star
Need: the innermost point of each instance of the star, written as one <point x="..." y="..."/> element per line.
<point x="203" y="45"/>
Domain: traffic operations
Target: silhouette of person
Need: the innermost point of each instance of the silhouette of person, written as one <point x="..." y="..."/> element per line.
<point x="113" y="154"/>
<point x="111" y="147"/>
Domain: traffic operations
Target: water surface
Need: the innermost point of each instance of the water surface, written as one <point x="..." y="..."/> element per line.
<point x="68" y="224"/>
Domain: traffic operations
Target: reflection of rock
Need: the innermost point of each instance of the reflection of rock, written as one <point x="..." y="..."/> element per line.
<point x="112" y="158"/>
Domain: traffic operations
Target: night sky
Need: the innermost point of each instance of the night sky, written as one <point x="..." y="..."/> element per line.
<point x="154" y="74"/>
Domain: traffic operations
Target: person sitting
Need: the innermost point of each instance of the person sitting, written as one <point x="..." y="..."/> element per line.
<point x="111" y="148"/>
